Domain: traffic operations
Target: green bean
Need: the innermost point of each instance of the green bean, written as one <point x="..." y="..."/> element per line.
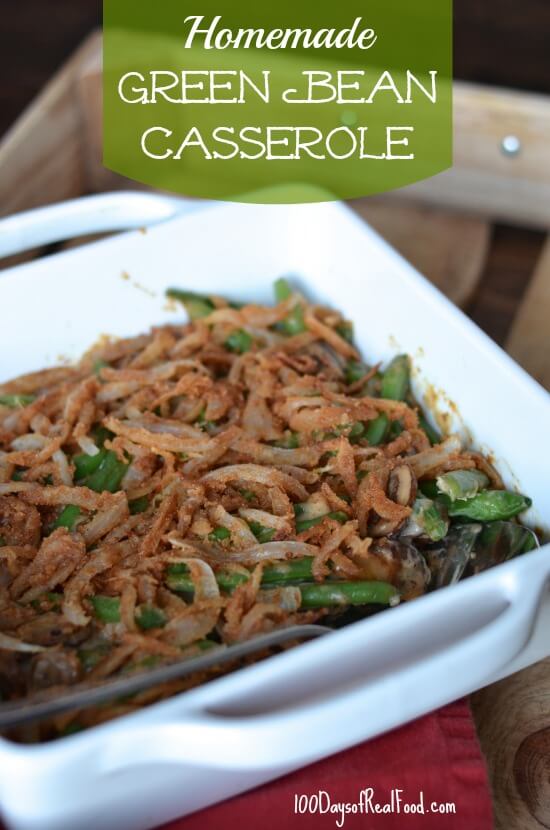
<point x="90" y="657"/>
<point x="67" y="517"/>
<point x="433" y="435"/>
<point x="179" y="580"/>
<point x="205" y="645"/>
<point x="219" y="534"/>
<point x="531" y="542"/>
<point x="462" y="484"/>
<point x="305" y="524"/>
<point x="328" y="594"/>
<point x="85" y="465"/>
<point x="51" y="599"/>
<point x="283" y="290"/>
<point x="138" y="505"/>
<point x="149" y="616"/>
<point x="291" y="441"/>
<point x="278" y="574"/>
<point x="377" y="430"/>
<point x="262" y="534"/>
<point x="287" y="573"/>
<point x="100" y="434"/>
<point x="102" y="471"/>
<point x="99" y="364"/>
<point x="429" y="488"/>
<point x="345" y="330"/>
<point x="395" y="430"/>
<point x="16" y="401"/>
<point x="294" y="322"/>
<point x="295" y="572"/>
<point x="428" y="518"/>
<point x="395" y="380"/>
<point x="106" y="609"/>
<point x="227" y="581"/>
<point x="249" y="495"/>
<point x="489" y="506"/>
<point x="355" y="370"/>
<point x="108" y="475"/>
<point x="357" y="432"/>
<point x="239" y="341"/>
<point x="335" y="432"/>
<point x="196" y="305"/>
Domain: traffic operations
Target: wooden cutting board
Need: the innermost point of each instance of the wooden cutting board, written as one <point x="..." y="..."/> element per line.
<point x="513" y="724"/>
<point x="529" y="339"/>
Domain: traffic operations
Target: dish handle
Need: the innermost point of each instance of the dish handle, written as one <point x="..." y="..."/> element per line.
<point x="413" y="660"/>
<point x="102" y="213"/>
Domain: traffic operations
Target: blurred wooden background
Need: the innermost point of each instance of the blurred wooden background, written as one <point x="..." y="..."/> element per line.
<point x="500" y="42"/>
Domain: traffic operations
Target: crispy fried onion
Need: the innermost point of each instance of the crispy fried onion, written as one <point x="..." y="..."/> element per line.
<point x="12" y="644"/>
<point x="208" y="450"/>
<point x="80" y="584"/>
<point x="59" y="555"/>
<point x="196" y="621"/>
<point x="371" y="498"/>
<point x="256" y="473"/>
<point x="269" y="551"/>
<point x="439" y="459"/>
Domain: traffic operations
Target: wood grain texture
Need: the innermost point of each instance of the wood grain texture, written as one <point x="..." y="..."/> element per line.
<point x="529" y="340"/>
<point x="89" y="92"/>
<point x="513" y="255"/>
<point x="483" y="180"/>
<point x="41" y="157"/>
<point x="513" y="724"/>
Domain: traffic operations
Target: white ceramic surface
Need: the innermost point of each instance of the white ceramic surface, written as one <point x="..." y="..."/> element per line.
<point x="261" y="722"/>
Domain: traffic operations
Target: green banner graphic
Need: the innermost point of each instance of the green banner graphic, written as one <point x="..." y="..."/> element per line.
<point x="222" y="100"/>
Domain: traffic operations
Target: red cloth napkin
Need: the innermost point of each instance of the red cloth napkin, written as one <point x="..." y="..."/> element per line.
<point x="437" y="756"/>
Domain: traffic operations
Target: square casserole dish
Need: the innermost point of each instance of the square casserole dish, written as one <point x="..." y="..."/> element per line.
<point x="261" y="722"/>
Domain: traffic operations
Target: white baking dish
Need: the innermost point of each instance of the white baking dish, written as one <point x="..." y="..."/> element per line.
<point x="238" y="731"/>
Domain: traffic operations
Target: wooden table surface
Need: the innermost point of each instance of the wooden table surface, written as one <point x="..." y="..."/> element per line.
<point x="497" y="42"/>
